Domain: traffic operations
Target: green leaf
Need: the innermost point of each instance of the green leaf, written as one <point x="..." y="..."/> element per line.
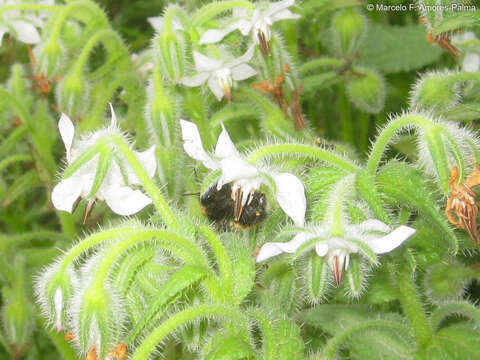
<point x="20" y="186"/>
<point x="460" y="20"/>
<point x="229" y="348"/>
<point x="178" y="282"/>
<point x="404" y="185"/>
<point x="288" y="340"/>
<point x="381" y="49"/>
<point x="459" y="341"/>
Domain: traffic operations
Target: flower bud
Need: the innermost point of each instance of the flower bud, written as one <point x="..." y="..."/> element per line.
<point x="50" y="58"/>
<point x="348" y="29"/>
<point x="435" y="91"/>
<point x="446" y="281"/>
<point x="53" y="288"/>
<point x="281" y="290"/>
<point x="17" y="313"/>
<point x="72" y="94"/>
<point x="367" y="90"/>
<point x="97" y="317"/>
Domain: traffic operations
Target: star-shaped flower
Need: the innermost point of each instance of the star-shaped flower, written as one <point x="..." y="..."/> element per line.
<point x="115" y="175"/>
<point x="22" y="25"/>
<point x="256" y="23"/>
<point x="363" y="238"/>
<point x="245" y="178"/>
<point x="220" y="73"/>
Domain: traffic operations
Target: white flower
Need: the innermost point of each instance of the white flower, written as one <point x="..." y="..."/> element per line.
<point x="220" y="74"/>
<point x="157" y="23"/>
<point x="22" y="25"/>
<point x="257" y="23"/>
<point x="58" y="302"/>
<point x="114" y="189"/>
<point x="338" y="249"/>
<point x="471" y="58"/>
<point x="247" y="178"/>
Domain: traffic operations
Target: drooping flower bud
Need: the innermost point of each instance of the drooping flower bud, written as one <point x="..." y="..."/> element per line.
<point x="348" y="29"/>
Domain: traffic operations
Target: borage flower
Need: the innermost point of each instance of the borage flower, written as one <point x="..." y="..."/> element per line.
<point x="220" y="73"/>
<point x="362" y="238"/>
<point x="245" y="178"/>
<point x="22" y="25"/>
<point x="105" y="175"/>
<point x="257" y="23"/>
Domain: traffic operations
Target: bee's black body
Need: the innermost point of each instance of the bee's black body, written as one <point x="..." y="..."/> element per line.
<point x="219" y="206"/>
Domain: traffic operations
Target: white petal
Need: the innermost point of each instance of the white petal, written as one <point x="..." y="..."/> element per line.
<point x="66" y="192"/>
<point x="291" y="197"/>
<point x="204" y="63"/>
<point x="245" y="26"/>
<point x="3" y="31"/>
<point x="271" y="249"/>
<point x="235" y="169"/>
<point x="156" y="22"/>
<point x="196" y="80"/>
<point x="26" y="32"/>
<point x="278" y="6"/>
<point x="192" y="143"/>
<point x="113" y="122"/>
<point x="124" y="200"/>
<point x="58" y="303"/>
<point x="35" y="20"/>
<point x="471" y="62"/>
<point x="242" y="72"/>
<point x="215" y="35"/>
<point x="391" y="241"/>
<point x="215" y="87"/>
<point x="284" y="15"/>
<point x="244" y="58"/>
<point x="67" y="131"/>
<point x="321" y="248"/>
<point x="149" y="162"/>
<point x="374" y="225"/>
<point x="225" y="147"/>
<point x="240" y="12"/>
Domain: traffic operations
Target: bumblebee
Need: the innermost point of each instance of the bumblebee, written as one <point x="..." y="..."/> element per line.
<point x="225" y="206"/>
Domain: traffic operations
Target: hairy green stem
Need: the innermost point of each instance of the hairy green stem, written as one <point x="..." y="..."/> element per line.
<point x="94" y="240"/>
<point x="413" y="307"/>
<point x="458" y="308"/>
<point x="385" y="136"/>
<point x="334" y="343"/>
<point x="269" y="344"/>
<point x="169" y="240"/>
<point x="209" y="11"/>
<point x="152" y="190"/>
<point x="28" y="7"/>
<point x="148" y="345"/>
<point x="223" y="261"/>
<point x="301" y="149"/>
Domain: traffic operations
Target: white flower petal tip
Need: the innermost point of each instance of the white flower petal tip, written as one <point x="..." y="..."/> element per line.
<point x="58" y="303"/>
<point x="225" y="147"/>
<point x="66" y="192"/>
<point x="242" y="72"/>
<point x="26" y="32"/>
<point x="291" y="197"/>
<point x="205" y="63"/>
<point x="192" y="144"/>
<point x="67" y="132"/>
<point x="235" y="168"/>
<point x="148" y="160"/>
<point x="113" y="123"/>
<point x="212" y="36"/>
<point x="272" y="249"/>
<point x="391" y="241"/>
<point x="125" y="201"/>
